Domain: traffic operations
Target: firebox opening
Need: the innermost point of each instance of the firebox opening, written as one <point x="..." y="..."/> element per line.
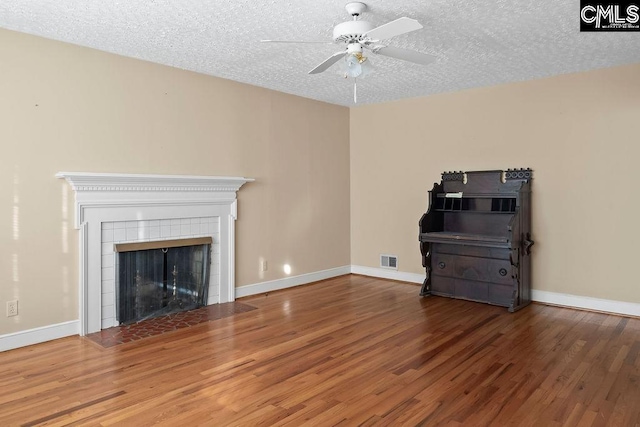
<point x="160" y="278"/>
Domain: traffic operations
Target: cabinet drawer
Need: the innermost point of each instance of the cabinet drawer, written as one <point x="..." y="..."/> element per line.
<point x="472" y="268"/>
<point x="483" y="269"/>
<point x="476" y="251"/>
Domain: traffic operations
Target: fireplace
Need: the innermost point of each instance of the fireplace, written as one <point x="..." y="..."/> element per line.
<point x="112" y="209"/>
<point x="162" y="277"/>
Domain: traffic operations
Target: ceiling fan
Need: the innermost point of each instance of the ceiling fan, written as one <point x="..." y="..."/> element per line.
<point x="359" y="35"/>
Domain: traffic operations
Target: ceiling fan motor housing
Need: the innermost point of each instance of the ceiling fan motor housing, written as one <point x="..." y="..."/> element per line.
<point x="351" y="31"/>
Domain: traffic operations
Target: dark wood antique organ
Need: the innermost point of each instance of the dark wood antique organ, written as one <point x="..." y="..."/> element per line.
<point x="475" y="237"/>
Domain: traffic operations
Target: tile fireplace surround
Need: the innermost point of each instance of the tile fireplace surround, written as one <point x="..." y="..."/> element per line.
<point x="118" y="208"/>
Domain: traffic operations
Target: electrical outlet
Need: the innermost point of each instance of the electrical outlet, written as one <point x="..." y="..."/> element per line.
<point x="264" y="266"/>
<point x="12" y="308"/>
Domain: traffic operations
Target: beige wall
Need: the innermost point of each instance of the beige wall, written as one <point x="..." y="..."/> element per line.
<point x="67" y="108"/>
<point x="579" y="134"/>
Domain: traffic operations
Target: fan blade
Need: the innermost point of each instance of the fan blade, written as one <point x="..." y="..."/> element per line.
<point x="393" y="28"/>
<point x="406" y="55"/>
<point x="294" y="41"/>
<point x="328" y="62"/>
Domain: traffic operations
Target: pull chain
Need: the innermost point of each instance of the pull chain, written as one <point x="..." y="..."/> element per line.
<point x="355" y="90"/>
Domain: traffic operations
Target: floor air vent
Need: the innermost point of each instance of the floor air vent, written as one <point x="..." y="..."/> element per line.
<point x="389" y="261"/>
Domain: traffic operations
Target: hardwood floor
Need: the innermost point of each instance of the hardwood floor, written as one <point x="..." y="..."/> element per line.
<point x="347" y="351"/>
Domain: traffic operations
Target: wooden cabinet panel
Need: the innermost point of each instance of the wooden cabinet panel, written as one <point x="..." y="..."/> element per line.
<point x="500" y="294"/>
<point x="475" y="291"/>
<point x="444" y="286"/>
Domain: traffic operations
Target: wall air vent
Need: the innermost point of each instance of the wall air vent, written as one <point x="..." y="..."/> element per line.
<point x="389" y="261"/>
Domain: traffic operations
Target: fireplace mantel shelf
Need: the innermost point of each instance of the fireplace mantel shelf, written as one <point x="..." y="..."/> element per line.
<point x="87" y="181"/>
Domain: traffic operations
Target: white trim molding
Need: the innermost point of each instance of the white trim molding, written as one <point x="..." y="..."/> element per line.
<point x="587" y="303"/>
<point x="89" y="181"/>
<point x="545" y="297"/>
<point x="38" y="335"/>
<point x="119" y="188"/>
<point x="384" y="273"/>
<point x="289" y="282"/>
<point x="107" y="197"/>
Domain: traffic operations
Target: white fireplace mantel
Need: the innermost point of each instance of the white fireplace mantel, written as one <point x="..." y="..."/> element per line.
<point x="111" y="188"/>
<point x="107" y="197"/>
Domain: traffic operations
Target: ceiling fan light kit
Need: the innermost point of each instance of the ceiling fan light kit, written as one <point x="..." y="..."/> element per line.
<point x="358" y="35"/>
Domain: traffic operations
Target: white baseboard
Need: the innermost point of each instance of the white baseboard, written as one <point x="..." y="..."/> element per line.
<point x="39" y="335"/>
<point x="288" y="282"/>
<point x="555" y="298"/>
<point x="588" y="303"/>
<point x="384" y="273"/>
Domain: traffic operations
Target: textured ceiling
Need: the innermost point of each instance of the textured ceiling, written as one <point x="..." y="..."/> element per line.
<point x="477" y="42"/>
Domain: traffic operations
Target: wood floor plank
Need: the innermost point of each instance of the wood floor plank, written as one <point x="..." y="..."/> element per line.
<point x="352" y="350"/>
